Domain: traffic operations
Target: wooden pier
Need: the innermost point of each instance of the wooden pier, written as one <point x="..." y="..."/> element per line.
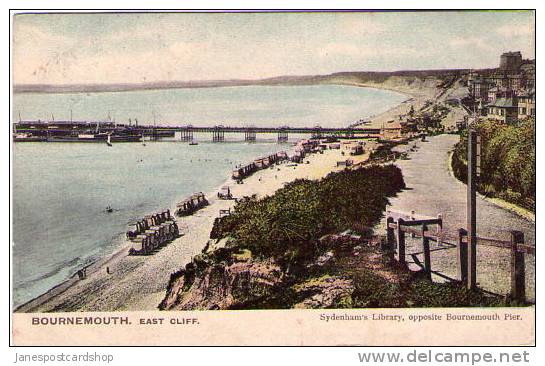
<point x="186" y="132"/>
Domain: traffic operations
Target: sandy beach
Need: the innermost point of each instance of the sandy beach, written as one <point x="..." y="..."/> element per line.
<point x="418" y="93"/>
<point x="139" y="282"/>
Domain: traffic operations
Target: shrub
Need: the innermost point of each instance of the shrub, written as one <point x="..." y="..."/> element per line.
<point x="507" y="161"/>
<point x="288" y="224"/>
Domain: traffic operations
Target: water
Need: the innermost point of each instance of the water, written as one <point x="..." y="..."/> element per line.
<point x="61" y="190"/>
<point x="327" y="105"/>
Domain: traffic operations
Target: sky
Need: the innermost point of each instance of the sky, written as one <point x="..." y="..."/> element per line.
<point x="135" y="48"/>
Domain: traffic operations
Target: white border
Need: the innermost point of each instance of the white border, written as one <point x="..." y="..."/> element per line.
<point x="267" y="356"/>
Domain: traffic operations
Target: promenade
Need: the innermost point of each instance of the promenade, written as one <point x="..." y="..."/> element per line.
<point x="432" y="189"/>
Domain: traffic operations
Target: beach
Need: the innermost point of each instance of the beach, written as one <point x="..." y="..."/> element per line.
<point x="139" y="282"/>
<point x="420" y="94"/>
<point x="122" y="282"/>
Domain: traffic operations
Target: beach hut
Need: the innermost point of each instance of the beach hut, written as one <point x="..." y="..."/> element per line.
<point x="134" y="229"/>
<point x="356" y="150"/>
<point x="225" y="193"/>
<point x="149" y="221"/>
<point x="173" y="229"/>
<point x="141" y="245"/>
<point x="345" y="163"/>
<point x="259" y="163"/>
<point x="237" y="174"/>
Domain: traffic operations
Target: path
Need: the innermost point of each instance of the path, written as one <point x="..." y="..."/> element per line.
<point x="432" y="189"/>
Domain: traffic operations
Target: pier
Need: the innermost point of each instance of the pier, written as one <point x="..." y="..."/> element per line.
<point x="47" y="131"/>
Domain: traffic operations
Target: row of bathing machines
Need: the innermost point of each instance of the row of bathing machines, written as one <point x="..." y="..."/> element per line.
<point x="156" y="230"/>
<point x="152" y="232"/>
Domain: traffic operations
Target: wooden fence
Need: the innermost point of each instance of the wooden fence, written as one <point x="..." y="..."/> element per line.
<point x="401" y="224"/>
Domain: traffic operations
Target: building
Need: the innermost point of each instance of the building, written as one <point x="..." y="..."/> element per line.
<point x="493" y="94"/>
<point x="500" y="92"/>
<point x="392" y="131"/>
<point x="499" y="79"/>
<point x="516" y="81"/>
<point x="528" y="69"/>
<point x="478" y="89"/>
<point x="510" y="61"/>
<point x="527" y="104"/>
<point x="504" y="110"/>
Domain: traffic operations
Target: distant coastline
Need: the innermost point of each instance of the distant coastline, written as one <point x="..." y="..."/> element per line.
<point x="340" y="78"/>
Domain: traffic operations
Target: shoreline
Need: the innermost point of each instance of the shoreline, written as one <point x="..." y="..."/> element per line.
<point x="85" y="295"/>
<point x="120" y="246"/>
<point x="378" y="86"/>
<point x="100" y="263"/>
<point x="413" y="98"/>
<point x="284" y="80"/>
<point x="416" y="97"/>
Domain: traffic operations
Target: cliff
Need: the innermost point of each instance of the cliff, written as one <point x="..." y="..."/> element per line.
<point x="353" y="272"/>
<point x="309" y="246"/>
<point x="342" y="78"/>
<point x="222" y="285"/>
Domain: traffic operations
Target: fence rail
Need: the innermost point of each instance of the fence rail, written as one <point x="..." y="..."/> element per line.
<point x="400" y="224"/>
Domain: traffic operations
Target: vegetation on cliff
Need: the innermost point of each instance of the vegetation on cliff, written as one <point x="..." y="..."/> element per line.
<point x="309" y="246"/>
<point x="287" y="224"/>
<point x="508" y="159"/>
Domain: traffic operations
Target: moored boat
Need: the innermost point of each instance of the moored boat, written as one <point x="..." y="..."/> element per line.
<point x="27" y="137"/>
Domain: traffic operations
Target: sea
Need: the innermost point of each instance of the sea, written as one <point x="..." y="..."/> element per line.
<point x="60" y="190"/>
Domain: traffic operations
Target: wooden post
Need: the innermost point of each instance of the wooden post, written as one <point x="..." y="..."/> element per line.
<point x="413" y="212"/>
<point x="400" y="242"/>
<point x="472" y="209"/>
<point x="427" y="254"/>
<point x="440" y="229"/>
<point x="518" y="285"/>
<point x="390" y="237"/>
<point x="462" y="256"/>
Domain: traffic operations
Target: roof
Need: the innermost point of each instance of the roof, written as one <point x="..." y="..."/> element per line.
<point x="528" y="67"/>
<point x="504" y="103"/>
<point x="528" y="93"/>
<point x="512" y="53"/>
<point x="397" y="126"/>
